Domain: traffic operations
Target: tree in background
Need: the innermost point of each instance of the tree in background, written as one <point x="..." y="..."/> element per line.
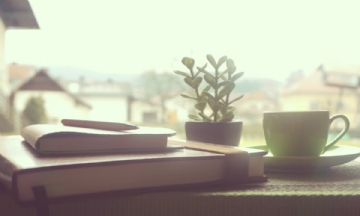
<point x="158" y="88"/>
<point x="34" y="111"/>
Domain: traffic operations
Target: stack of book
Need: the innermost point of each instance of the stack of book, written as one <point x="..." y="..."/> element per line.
<point x="76" y="160"/>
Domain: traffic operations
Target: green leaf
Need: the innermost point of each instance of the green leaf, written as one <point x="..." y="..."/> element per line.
<point x="226" y="90"/>
<point x="226" y="109"/>
<point x="227" y="117"/>
<point x="194" y="117"/>
<point x="221" y="61"/>
<point x="200" y="106"/>
<point x="216" y="107"/>
<point x="205" y="72"/>
<point x="232" y="69"/>
<point x="223" y="73"/>
<point x="229" y="63"/>
<point x="236" y="99"/>
<point x="223" y="110"/>
<point x="237" y="76"/>
<point x="223" y="83"/>
<point x="200" y="69"/>
<point x="230" y="109"/>
<point x="210" y="79"/>
<point x="211" y="59"/>
<point x="207" y="88"/>
<point x="205" y="118"/>
<point x="224" y="78"/>
<point x="182" y="73"/>
<point x="196" y="82"/>
<point x="205" y="65"/>
<point x="188" y="81"/>
<point x="187" y="96"/>
<point x="209" y="96"/>
<point x="188" y="62"/>
<point x="211" y="102"/>
<point x="183" y="60"/>
<point x="203" y="99"/>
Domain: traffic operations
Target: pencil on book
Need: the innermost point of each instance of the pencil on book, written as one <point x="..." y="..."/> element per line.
<point x="113" y="126"/>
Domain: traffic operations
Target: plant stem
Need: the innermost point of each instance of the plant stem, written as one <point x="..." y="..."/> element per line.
<point x="196" y="90"/>
<point x="216" y="91"/>
<point x="227" y="96"/>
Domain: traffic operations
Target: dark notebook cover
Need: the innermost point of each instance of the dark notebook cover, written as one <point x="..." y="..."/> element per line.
<point x="22" y="168"/>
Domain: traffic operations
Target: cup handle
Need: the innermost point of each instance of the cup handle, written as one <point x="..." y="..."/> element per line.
<point x="341" y="134"/>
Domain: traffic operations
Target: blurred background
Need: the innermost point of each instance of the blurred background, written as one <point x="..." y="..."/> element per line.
<point x="113" y="60"/>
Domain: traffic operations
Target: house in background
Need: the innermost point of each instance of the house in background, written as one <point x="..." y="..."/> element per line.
<point x="18" y="73"/>
<point x="251" y="107"/>
<point x="176" y="111"/>
<point x="311" y="93"/>
<point x="14" y="14"/>
<point x="58" y="102"/>
<point x="110" y="100"/>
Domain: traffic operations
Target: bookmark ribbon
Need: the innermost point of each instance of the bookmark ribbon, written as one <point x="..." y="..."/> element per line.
<point x="236" y="160"/>
<point x="41" y="201"/>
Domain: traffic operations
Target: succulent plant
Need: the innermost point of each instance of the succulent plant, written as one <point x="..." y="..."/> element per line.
<point x="216" y="93"/>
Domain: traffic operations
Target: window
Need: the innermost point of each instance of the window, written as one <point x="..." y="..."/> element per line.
<point x="283" y="50"/>
<point x="314" y="105"/>
<point x="149" y="117"/>
<point x="340" y="105"/>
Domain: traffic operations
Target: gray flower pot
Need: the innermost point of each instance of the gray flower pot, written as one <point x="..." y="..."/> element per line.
<point x="223" y="133"/>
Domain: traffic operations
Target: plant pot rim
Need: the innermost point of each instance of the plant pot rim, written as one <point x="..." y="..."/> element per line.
<point x="234" y="121"/>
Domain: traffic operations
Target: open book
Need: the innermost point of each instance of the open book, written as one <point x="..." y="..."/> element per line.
<point x="64" y="176"/>
<point x="58" y="139"/>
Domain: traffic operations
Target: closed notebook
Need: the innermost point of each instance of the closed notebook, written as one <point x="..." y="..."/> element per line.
<point x="58" y="139"/>
<point x="22" y="168"/>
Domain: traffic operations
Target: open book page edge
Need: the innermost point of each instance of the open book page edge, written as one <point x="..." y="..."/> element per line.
<point x="52" y="129"/>
<point x="33" y="133"/>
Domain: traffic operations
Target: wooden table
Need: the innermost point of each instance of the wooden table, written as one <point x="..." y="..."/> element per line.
<point x="335" y="192"/>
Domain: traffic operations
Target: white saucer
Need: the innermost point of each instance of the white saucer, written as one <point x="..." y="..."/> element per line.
<point x="335" y="156"/>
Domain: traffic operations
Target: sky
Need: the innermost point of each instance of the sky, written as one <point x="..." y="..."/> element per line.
<point x="265" y="38"/>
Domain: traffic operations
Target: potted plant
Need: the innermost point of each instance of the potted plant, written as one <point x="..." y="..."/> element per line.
<point x="213" y="122"/>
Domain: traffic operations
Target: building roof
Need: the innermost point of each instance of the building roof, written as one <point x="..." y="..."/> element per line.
<point x="21" y="72"/>
<point x="351" y="69"/>
<point x="18" y="14"/>
<point x="255" y="102"/>
<point x="41" y="81"/>
<point x="98" y="88"/>
<point x="312" y="84"/>
<point x="257" y="95"/>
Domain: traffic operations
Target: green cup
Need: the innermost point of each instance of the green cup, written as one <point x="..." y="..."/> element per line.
<point x="300" y="133"/>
